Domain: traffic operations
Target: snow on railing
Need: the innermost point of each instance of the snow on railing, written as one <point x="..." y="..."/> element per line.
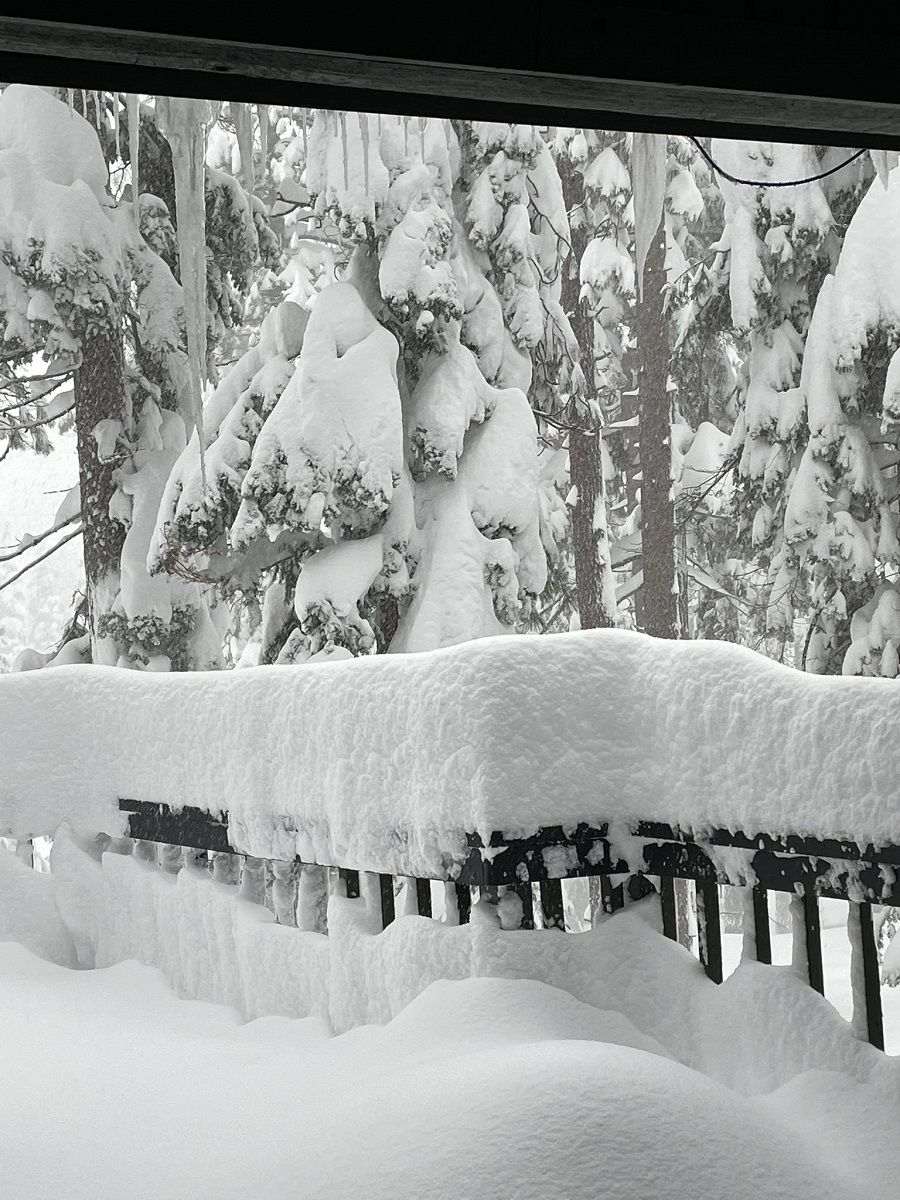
<point x="507" y="766"/>
<point x="387" y="763"/>
<point x="525" y="879"/>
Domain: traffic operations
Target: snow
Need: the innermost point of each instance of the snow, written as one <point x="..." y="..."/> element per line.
<point x="36" y="608"/>
<point x="401" y="754"/>
<point x="451" y="1047"/>
<point x="334" y="439"/>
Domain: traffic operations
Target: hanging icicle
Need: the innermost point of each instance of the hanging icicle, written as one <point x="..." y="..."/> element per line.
<point x="184" y="124"/>
<point x="243" y="127"/>
<point x="97" y="121"/>
<point x="423" y="125"/>
<point x="117" y="126"/>
<point x="133" y="109"/>
<point x="262" y="114"/>
<point x="344" y="148"/>
<point x="70" y="96"/>
<point x="305" y="112"/>
<point x="364" y="134"/>
<point x="406" y="135"/>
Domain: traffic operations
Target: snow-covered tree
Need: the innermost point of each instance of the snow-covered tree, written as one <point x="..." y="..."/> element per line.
<point x="782" y="242"/>
<point x="389" y="485"/>
<point x="84" y="290"/>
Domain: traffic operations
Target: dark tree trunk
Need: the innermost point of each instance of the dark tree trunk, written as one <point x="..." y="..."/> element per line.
<point x="585" y="472"/>
<point x="657" y="508"/>
<point x="99" y="396"/>
<point x="585" y="465"/>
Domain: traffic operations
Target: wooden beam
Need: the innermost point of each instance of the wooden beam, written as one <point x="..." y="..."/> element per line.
<point x="75" y="55"/>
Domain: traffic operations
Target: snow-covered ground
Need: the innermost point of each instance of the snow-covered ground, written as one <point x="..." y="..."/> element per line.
<point x="494" y="1088"/>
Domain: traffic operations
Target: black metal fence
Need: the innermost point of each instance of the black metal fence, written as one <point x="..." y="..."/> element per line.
<point x="533" y="870"/>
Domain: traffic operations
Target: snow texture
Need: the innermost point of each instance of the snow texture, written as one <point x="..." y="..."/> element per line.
<point x="754" y="1088"/>
<point x="400" y="755"/>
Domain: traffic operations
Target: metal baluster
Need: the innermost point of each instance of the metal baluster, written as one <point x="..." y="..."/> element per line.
<point x="669" y="910"/>
<point x="423" y="897"/>
<point x="253" y="880"/>
<point x="612" y="898"/>
<point x="350" y="880"/>
<point x="386" y="886"/>
<point x="552" y="904"/>
<point x="226" y="868"/>
<point x="710" y="929"/>
<point x="312" y="899"/>
<point x="170" y="858"/>
<point x="807" y="939"/>
<point x="865" y="973"/>
<point x="193" y="859"/>
<point x="762" y="935"/>
<point x="284" y="891"/>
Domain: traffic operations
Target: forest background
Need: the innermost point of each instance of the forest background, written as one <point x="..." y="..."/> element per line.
<point x="294" y="384"/>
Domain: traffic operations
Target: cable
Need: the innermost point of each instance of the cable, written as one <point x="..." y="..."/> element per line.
<point x="779" y="183"/>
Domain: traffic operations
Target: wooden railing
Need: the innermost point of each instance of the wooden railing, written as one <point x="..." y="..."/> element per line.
<point x="648" y="859"/>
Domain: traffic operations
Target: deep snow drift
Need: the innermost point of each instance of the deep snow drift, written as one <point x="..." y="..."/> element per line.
<point x="382" y="763"/>
<point x="481" y="1087"/>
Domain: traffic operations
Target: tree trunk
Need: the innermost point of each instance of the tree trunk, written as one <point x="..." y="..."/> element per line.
<point x="586" y="474"/>
<point x="99" y="396"/>
<point x="585" y="462"/>
<point x="657" y="507"/>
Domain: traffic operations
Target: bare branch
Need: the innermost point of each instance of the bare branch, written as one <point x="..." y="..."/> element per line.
<point x="20" y="549"/>
<point x="40" y="558"/>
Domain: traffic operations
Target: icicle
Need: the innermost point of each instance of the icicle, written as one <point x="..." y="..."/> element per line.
<point x="243" y="126"/>
<point x="133" y="107"/>
<point x="84" y="104"/>
<point x="305" y="112"/>
<point x="423" y="124"/>
<point x="97" y="120"/>
<point x="70" y="96"/>
<point x="183" y="123"/>
<point x="262" y="115"/>
<point x="379" y="124"/>
<point x="406" y="135"/>
<point x="117" y="125"/>
<point x="364" y="134"/>
<point x="344" y="148"/>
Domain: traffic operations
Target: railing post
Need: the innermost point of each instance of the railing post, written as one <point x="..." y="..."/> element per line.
<point x="386" y="887"/>
<point x="350" y="880"/>
<point x="284" y="890"/>
<point x="312" y="899"/>
<point x="612" y="897"/>
<point x="807" y="939"/>
<point x="552" y="904"/>
<point x="195" y="860"/>
<point x="423" y="897"/>
<point x="762" y="934"/>
<point x="146" y="852"/>
<point x="709" y="929"/>
<point x="458" y="903"/>
<point x="668" y="906"/>
<point x="865" y="974"/>
<point x="226" y="868"/>
<point x="170" y="858"/>
<point x="253" y="880"/>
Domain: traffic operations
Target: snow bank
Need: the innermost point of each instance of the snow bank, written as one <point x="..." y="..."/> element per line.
<point x="382" y="763"/>
<point x="634" y="1066"/>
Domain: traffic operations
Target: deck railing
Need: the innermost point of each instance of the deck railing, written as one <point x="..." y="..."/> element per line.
<point x="528" y="875"/>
